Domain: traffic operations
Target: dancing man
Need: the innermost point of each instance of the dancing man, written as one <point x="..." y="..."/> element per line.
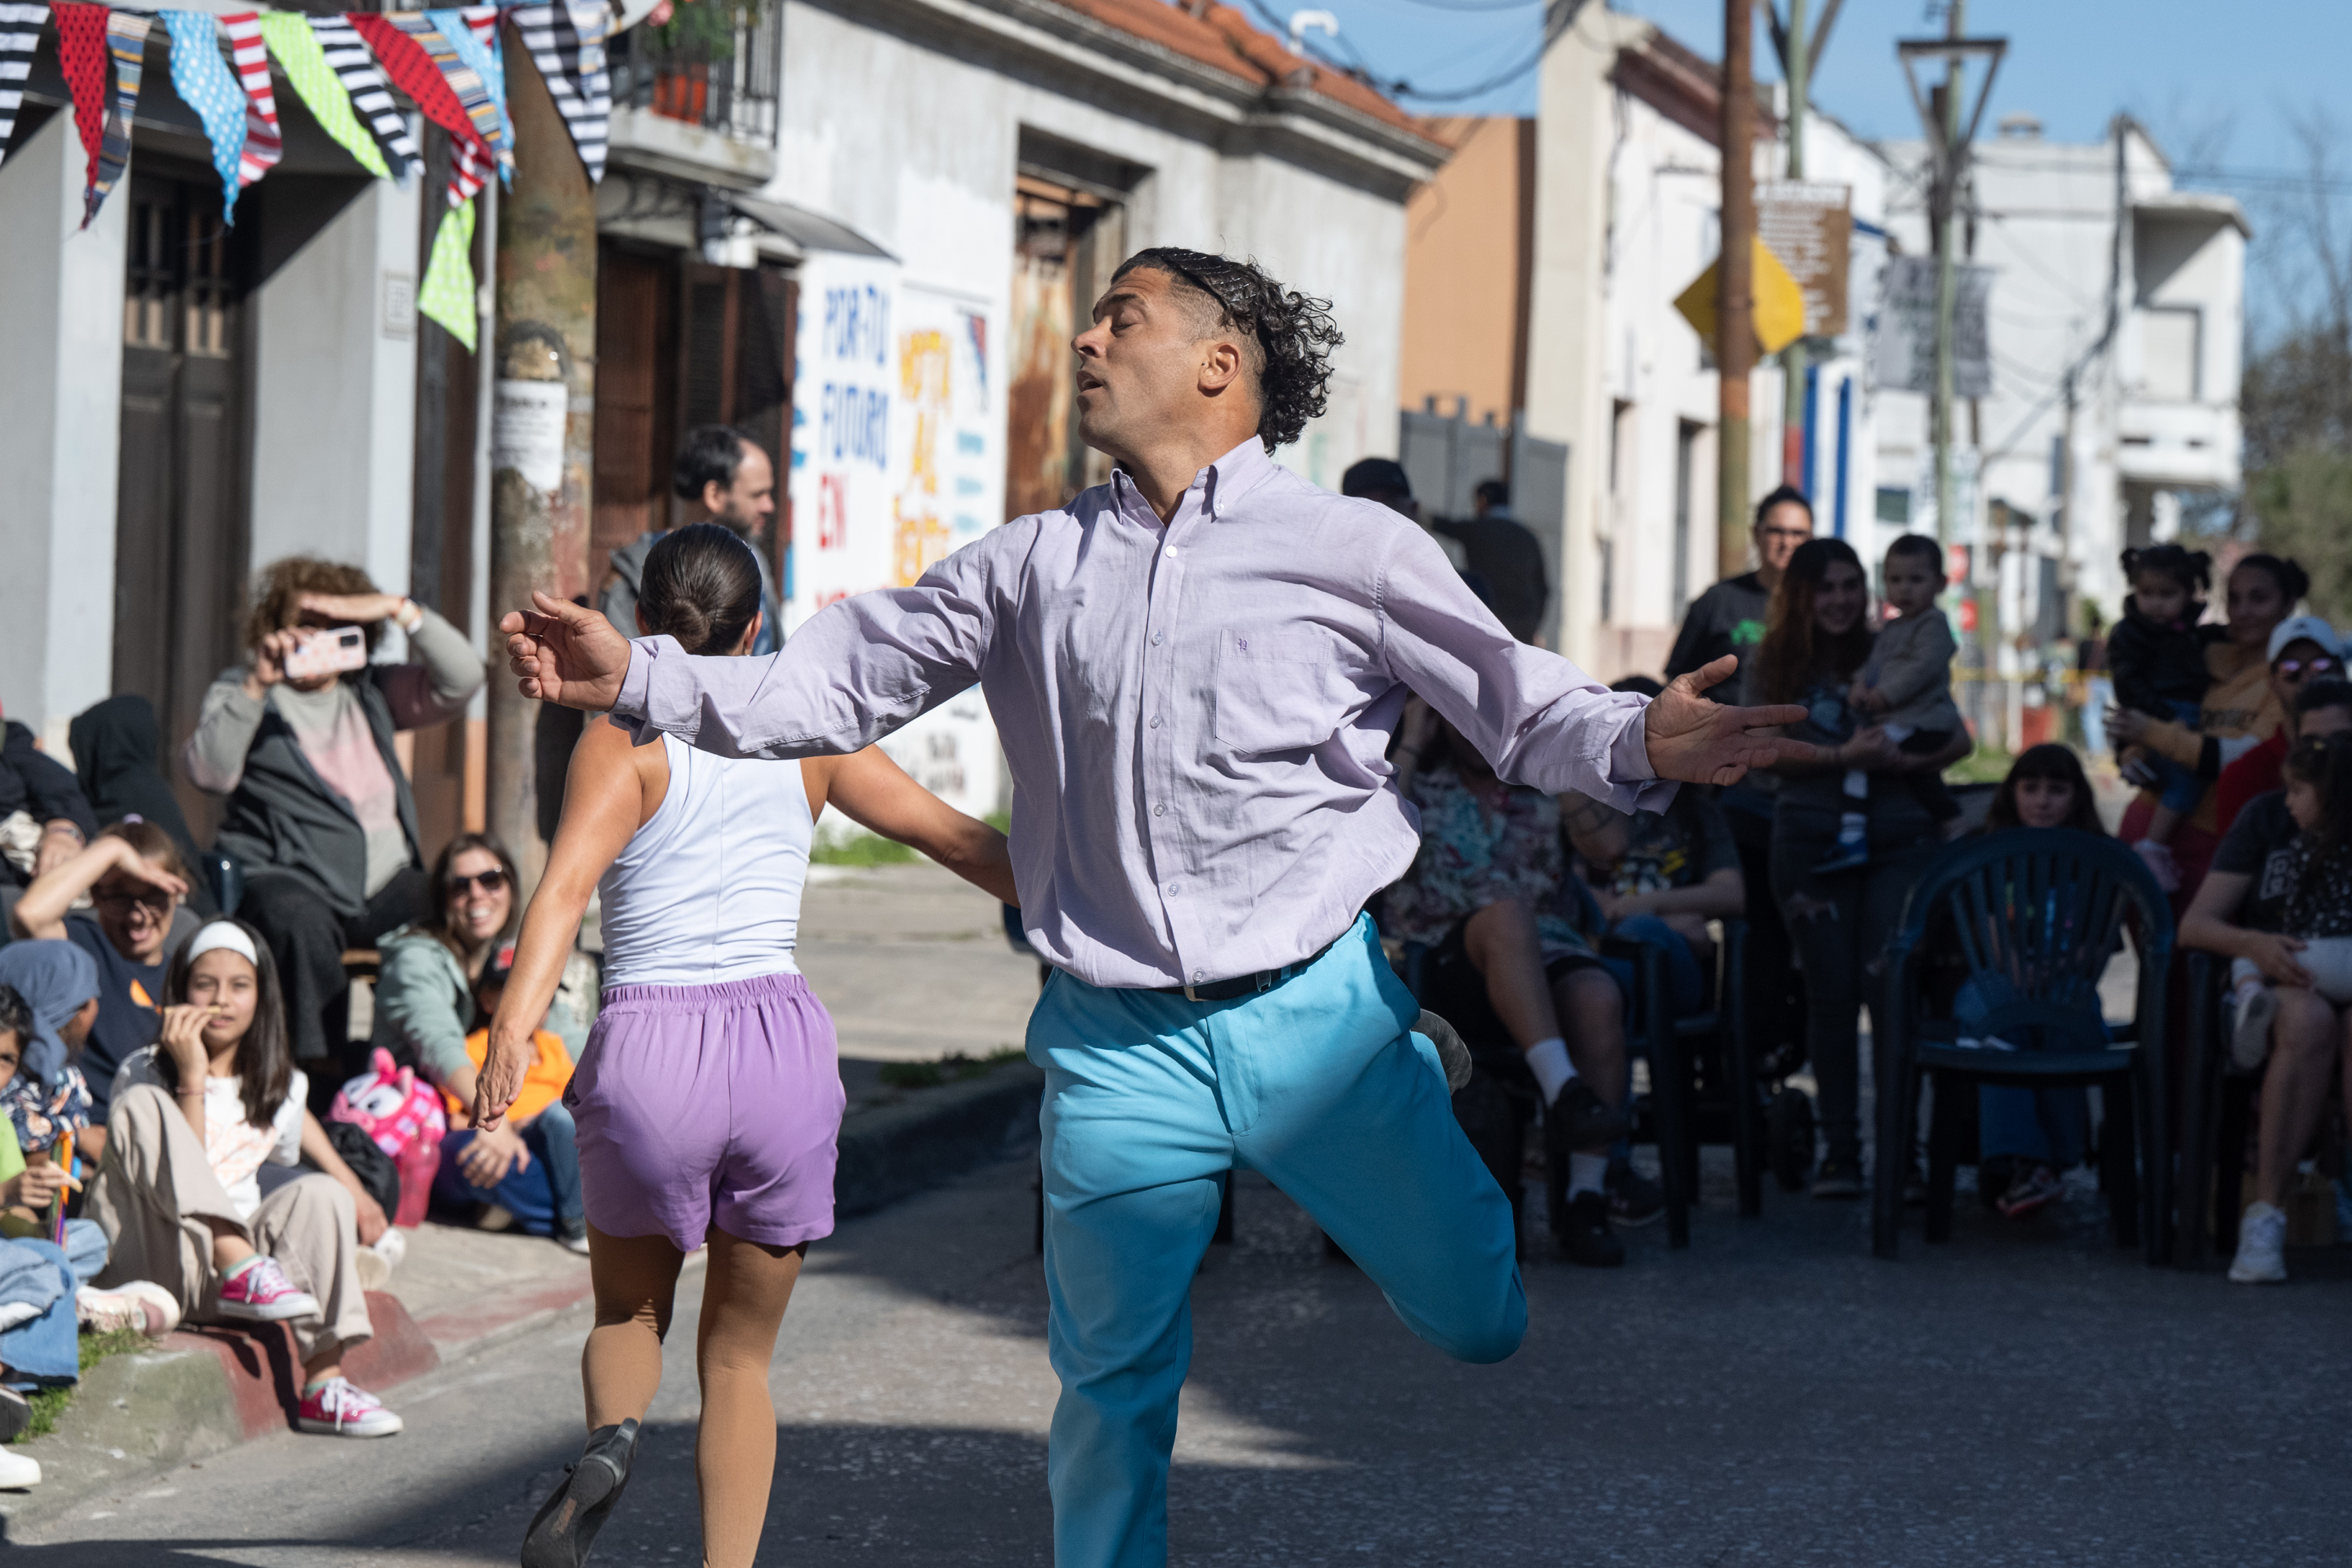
<point x="1195" y="669"/>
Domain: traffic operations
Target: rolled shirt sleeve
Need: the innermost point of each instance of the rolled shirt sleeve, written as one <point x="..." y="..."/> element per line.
<point x="1538" y="718"/>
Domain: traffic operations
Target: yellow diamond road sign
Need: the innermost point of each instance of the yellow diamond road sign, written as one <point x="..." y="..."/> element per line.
<point x="1780" y="313"/>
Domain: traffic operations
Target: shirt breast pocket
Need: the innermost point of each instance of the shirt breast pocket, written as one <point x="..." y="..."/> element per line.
<point x="1285" y="689"/>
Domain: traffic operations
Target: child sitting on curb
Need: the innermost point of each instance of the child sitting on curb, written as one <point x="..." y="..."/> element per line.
<point x="526" y="1174"/>
<point x="198" y="1188"/>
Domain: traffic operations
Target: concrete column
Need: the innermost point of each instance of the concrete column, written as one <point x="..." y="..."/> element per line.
<point x="61" y="405"/>
<point x="334" y="394"/>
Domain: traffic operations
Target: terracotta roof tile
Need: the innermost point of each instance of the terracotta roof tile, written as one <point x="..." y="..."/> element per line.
<point x="1224" y="37"/>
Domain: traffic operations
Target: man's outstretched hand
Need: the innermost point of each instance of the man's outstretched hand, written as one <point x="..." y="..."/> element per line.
<point x="568" y="654"/>
<point x="1694" y="739"/>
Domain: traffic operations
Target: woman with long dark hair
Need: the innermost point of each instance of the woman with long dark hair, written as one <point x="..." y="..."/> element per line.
<point x="1816" y="639"/>
<point x="425" y="1009"/>
<point x="708" y="1095"/>
<point x="200" y="1187"/>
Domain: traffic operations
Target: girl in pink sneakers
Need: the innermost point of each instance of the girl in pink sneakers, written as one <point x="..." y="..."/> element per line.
<point x="201" y="1188"/>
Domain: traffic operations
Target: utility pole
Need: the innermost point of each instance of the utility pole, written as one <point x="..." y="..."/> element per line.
<point x="1735" y="349"/>
<point x="1795" y="67"/>
<point x="1947" y="274"/>
<point x="543" y="424"/>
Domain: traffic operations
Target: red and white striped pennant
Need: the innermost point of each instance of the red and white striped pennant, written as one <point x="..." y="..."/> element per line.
<point x="264" y="143"/>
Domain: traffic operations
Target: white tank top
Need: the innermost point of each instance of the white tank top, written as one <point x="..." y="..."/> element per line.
<point x="709" y="889"/>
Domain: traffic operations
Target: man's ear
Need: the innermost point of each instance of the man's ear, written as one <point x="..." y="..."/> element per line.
<point x="1221" y="364"/>
<point x="714" y="498"/>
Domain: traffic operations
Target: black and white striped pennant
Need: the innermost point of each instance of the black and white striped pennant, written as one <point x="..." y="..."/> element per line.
<point x="348" y="56"/>
<point x="20" y="29"/>
<point x="566" y="41"/>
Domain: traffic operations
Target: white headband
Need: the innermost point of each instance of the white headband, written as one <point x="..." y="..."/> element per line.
<point x="223" y="934"/>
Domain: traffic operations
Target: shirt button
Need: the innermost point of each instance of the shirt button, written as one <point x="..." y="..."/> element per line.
<point x="1159" y="638"/>
<point x="1172" y="887"/>
<point x="1160" y="810"/>
<point x="1172" y="552"/>
<point x="1155" y="718"/>
<point x="1199" y="975"/>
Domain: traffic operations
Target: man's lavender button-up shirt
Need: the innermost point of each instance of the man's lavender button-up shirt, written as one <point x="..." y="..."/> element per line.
<point x="1194" y="714"/>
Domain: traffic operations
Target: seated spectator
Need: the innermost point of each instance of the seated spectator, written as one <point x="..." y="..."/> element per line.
<point x="2026" y="1137"/>
<point x="135" y="879"/>
<point x="43" y="816"/>
<point x="1490" y="859"/>
<point x="524" y="1172"/>
<point x="34" y="1182"/>
<point x="46" y="1094"/>
<point x="200" y="1191"/>
<point x="117" y="754"/>
<point x="2278" y="901"/>
<point x="2304" y="655"/>
<point x="1505" y="553"/>
<point x="319" y="811"/>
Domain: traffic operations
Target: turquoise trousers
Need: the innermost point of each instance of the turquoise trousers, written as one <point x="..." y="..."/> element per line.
<point x="1319" y="1085"/>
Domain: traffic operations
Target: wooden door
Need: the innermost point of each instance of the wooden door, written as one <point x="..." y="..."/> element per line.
<point x="180" y="534"/>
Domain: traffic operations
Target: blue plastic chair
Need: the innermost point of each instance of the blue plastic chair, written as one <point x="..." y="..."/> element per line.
<point x="2035" y="914"/>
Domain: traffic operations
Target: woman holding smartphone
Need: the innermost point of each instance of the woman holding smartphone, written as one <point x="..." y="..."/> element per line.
<point x="299" y="739"/>
<point x="708" y="1095"/>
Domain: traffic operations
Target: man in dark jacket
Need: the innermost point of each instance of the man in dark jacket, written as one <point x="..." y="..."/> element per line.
<point x="726" y="477"/>
<point x="1730" y="618"/>
<point x="1505" y="553"/>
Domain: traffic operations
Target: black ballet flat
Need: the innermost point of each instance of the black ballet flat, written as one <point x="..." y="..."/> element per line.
<point x="567" y="1522"/>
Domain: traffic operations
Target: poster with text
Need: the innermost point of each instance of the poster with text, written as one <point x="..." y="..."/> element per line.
<point x="844" y="381"/>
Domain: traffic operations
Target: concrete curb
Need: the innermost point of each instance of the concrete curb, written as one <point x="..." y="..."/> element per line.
<point x="894" y="1151"/>
<point x="208" y="1388"/>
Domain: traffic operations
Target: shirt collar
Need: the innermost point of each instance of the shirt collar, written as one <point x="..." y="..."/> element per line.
<point x="1222" y="483"/>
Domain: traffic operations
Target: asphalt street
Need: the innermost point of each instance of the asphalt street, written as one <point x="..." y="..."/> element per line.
<point x="2027" y="1395"/>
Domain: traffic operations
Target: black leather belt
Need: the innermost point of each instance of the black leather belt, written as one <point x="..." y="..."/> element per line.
<point x="1245" y="984"/>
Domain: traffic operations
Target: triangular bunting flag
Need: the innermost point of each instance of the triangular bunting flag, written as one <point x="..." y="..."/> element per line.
<point x="476" y="47"/>
<point x="201" y="78"/>
<point x="20" y="29"/>
<point x="81" y="57"/>
<point x="264" y="143"/>
<point x="349" y="56"/>
<point x="447" y="295"/>
<point x="465" y="83"/>
<point x="126" y="40"/>
<point x="414" y="71"/>
<point x="297" y="49"/>
<point x="571" y="59"/>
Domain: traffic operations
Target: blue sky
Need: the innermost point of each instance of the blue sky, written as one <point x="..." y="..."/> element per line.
<point x="2219" y="85"/>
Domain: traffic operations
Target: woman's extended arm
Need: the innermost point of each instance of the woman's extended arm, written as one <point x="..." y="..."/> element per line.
<point x="319" y="1150"/>
<point x="2207" y="926"/>
<point x="1958" y="746"/>
<point x="875" y="793"/>
<point x="1870" y="751"/>
<point x="40" y="913"/>
<point x="605" y="800"/>
<point x="1602" y="834"/>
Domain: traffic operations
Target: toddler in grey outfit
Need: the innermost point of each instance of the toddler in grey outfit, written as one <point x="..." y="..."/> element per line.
<point x="1906" y="689"/>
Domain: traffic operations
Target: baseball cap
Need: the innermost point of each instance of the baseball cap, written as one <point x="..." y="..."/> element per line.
<point x="1375" y="475"/>
<point x="2305" y="628"/>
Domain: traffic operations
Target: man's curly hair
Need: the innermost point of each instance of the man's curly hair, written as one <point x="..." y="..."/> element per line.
<point x="1291" y="335"/>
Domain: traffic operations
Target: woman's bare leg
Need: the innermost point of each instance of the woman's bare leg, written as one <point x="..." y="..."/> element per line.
<point x="743" y="1303"/>
<point x="636" y="1281"/>
<point x="2304" y="1044"/>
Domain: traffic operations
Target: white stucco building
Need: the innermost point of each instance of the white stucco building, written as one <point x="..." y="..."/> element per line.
<point x="2116" y="330"/>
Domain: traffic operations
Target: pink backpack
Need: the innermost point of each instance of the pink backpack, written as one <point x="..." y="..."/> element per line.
<point x="392" y="1108"/>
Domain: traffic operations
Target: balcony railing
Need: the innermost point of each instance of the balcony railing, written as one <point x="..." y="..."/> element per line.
<point x="714" y="64"/>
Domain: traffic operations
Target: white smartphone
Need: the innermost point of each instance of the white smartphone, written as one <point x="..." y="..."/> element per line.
<point x="327" y="653"/>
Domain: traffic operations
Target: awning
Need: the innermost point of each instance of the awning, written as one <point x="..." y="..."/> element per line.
<point x="805" y="228"/>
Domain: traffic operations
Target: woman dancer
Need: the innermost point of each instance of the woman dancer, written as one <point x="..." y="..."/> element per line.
<point x="707" y="1096"/>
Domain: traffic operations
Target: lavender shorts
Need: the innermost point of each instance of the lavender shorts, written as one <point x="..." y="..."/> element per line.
<point x="709" y="1105"/>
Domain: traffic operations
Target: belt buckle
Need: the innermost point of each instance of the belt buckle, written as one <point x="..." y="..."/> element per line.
<point x="1192" y="995"/>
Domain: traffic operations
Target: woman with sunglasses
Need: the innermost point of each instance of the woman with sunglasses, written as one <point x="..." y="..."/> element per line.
<point x="425" y="1008"/>
<point x="2305" y="653"/>
<point x="135" y="879"/>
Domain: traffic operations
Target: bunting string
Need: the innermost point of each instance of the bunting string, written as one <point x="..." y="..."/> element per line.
<point x="297" y="49"/>
<point x="264" y="143"/>
<point x="20" y="29"/>
<point x="349" y="56"/>
<point x="126" y="40"/>
<point x="202" y="79"/>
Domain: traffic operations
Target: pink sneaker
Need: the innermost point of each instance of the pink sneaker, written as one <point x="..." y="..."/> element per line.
<point x="337" y="1408"/>
<point x="260" y="1293"/>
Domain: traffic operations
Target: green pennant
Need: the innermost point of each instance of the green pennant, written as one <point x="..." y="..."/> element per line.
<point x="447" y="295"/>
<point x="296" y="47"/>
